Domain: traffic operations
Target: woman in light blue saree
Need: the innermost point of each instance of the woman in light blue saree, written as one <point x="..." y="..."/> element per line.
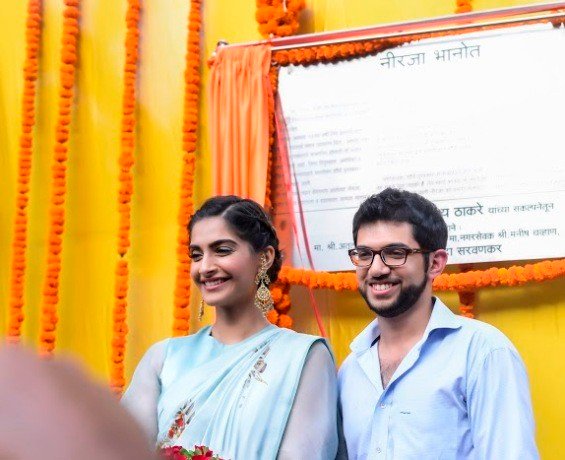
<point x="244" y="388"/>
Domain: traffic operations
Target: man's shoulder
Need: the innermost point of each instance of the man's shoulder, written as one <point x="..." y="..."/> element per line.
<point x="347" y="366"/>
<point x="484" y="336"/>
<point x="347" y="361"/>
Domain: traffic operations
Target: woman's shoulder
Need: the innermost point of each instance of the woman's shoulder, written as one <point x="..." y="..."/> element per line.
<point x="312" y="343"/>
<point x="158" y="352"/>
<point x="191" y="340"/>
<point x="298" y="336"/>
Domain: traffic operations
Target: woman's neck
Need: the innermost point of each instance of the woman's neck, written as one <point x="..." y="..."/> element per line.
<point x="234" y="325"/>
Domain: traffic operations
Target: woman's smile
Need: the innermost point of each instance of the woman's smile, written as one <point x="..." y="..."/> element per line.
<point x="213" y="283"/>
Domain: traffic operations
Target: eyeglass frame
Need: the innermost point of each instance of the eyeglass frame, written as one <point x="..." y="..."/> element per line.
<point x="379" y="252"/>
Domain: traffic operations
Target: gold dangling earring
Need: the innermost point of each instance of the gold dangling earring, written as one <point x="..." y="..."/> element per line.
<point x="263" y="299"/>
<point x="201" y="311"/>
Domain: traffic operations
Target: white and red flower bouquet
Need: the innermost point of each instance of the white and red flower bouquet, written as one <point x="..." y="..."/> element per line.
<point x="180" y="453"/>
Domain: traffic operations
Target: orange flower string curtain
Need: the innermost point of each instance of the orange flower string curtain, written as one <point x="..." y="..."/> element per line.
<point x="19" y="244"/>
<point x="181" y="309"/>
<point x="50" y="299"/>
<point x="125" y="192"/>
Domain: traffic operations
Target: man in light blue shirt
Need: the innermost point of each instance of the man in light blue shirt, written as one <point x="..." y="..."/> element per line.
<point x="423" y="383"/>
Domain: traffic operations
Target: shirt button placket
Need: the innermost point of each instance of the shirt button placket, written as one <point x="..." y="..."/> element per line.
<point x="381" y="430"/>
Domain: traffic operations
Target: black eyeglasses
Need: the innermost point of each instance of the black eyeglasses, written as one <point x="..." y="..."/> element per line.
<point x="392" y="256"/>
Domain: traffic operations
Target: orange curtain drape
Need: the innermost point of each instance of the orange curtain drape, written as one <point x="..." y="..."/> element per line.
<point x="239" y="121"/>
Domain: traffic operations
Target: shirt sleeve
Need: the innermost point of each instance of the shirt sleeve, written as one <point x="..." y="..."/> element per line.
<point x="142" y="395"/>
<point x="500" y="409"/>
<point x="312" y="426"/>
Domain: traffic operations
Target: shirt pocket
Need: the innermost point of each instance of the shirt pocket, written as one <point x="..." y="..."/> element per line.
<point x="425" y="430"/>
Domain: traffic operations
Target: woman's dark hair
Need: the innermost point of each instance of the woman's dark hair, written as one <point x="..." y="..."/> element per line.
<point x="393" y="205"/>
<point x="248" y="220"/>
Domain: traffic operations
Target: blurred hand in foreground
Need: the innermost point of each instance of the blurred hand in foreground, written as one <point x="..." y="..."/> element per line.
<point x="50" y="409"/>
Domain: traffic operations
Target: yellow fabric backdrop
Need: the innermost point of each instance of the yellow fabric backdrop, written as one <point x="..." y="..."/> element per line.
<point x="532" y="316"/>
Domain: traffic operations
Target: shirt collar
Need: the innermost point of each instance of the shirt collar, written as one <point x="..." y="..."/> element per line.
<point x="442" y="318"/>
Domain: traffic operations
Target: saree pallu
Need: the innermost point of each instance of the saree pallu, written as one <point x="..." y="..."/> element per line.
<point x="234" y="399"/>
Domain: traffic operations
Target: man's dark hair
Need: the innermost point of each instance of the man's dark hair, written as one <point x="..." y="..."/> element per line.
<point x="248" y="220"/>
<point x="393" y="205"/>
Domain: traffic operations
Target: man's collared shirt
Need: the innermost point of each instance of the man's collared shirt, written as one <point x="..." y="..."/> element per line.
<point x="461" y="393"/>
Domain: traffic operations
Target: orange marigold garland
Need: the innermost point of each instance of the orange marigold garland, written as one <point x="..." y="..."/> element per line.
<point x="280" y="291"/>
<point x="328" y="53"/>
<point x="273" y="81"/>
<point x="467" y="281"/>
<point x="285" y="321"/>
<point x="190" y="127"/>
<point x="48" y="319"/>
<point x="125" y="192"/>
<point x="463" y="6"/>
<point x="467" y="303"/>
<point x="278" y="18"/>
<point x="468" y="297"/>
<point x="19" y="243"/>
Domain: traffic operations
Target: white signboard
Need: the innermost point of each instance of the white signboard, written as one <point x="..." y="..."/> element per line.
<point x="473" y="122"/>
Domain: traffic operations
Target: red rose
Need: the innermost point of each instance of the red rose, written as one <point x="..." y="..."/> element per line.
<point x="173" y="453"/>
<point x="202" y="452"/>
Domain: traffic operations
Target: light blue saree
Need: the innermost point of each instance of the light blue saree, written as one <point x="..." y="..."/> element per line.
<point x="234" y="399"/>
